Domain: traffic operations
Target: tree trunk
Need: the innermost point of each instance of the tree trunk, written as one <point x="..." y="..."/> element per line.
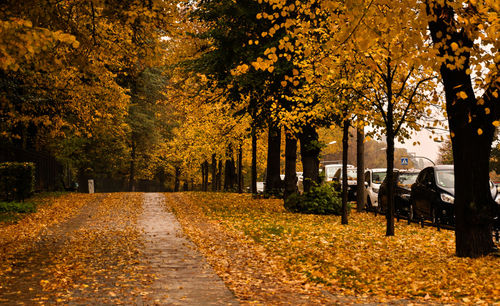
<point x="309" y="151"/>
<point x="390" y="183"/>
<point x="207" y="165"/>
<point x="219" y="176"/>
<point x="290" y="165"/>
<point x="471" y="135"/>
<point x="254" y="161"/>
<point x="360" y="164"/>
<point x="203" y="176"/>
<point x="345" y="186"/>
<point x="177" y="180"/>
<point x="240" y="169"/>
<point x="132" y="167"/>
<point x="228" y="177"/>
<point x="214" y="173"/>
<point x="273" y="179"/>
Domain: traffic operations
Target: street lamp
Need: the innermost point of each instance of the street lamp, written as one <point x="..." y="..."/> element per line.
<point x="411" y="155"/>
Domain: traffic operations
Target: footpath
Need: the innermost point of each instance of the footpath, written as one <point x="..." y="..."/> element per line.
<point x="122" y="248"/>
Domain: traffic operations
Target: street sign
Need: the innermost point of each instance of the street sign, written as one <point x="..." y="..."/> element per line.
<point x="404" y="161"/>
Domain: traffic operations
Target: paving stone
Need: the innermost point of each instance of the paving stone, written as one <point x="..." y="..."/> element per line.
<point x="183" y="275"/>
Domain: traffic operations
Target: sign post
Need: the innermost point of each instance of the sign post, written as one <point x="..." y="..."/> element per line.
<point x="91" y="186"/>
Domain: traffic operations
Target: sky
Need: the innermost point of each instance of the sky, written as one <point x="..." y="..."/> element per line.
<point x="427" y="147"/>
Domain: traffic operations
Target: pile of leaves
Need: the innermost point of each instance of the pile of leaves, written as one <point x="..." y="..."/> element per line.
<point x="355" y="259"/>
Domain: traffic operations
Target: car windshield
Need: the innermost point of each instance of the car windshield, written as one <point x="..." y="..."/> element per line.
<point x="330" y="171"/>
<point x="352" y="174"/>
<point x="445" y="178"/>
<point x="407" y="178"/>
<point x="378" y="177"/>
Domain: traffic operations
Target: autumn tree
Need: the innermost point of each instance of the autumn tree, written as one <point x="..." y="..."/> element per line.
<point x="233" y="29"/>
<point x="466" y="37"/>
<point x="445" y="156"/>
<point x="64" y="79"/>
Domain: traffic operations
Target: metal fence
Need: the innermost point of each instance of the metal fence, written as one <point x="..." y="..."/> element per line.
<point x="48" y="172"/>
<point x="439" y="225"/>
<point x="107" y="184"/>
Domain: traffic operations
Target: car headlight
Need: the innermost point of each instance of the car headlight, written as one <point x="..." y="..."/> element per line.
<point x="375" y="189"/>
<point x="447" y="198"/>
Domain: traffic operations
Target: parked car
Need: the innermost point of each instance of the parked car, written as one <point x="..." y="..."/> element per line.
<point x="403" y="179"/>
<point x="330" y="170"/>
<point x="352" y="183"/>
<point x="433" y="194"/>
<point x="373" y="179"/>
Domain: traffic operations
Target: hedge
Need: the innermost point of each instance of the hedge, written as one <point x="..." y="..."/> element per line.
<point x="321" y="200"/>
<point x="17" y="181"/>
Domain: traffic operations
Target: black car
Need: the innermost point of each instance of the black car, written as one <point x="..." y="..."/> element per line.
<point x="352" y="182"/>
<point x="433" y="194"/>
<point x="403" y="179"/>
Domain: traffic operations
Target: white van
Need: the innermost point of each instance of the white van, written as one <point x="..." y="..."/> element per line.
<point x="373" y="180"/>
<point x="331" y="169"/>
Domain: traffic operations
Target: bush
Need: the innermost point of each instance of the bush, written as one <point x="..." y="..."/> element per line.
<point x="17" y="181"/>
<point x="17" y="207"/>
<point x="321" y="200"/>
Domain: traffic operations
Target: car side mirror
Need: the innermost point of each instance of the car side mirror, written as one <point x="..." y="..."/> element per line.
<point x="366" y="184"/>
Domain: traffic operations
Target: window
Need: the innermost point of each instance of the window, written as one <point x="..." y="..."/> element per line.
<point x="445" y="178"/>
<point x="378" y="177"/>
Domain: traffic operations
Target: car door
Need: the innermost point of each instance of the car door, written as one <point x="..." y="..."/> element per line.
<point x="429" y="196"/>
<point x="419" y="193"/>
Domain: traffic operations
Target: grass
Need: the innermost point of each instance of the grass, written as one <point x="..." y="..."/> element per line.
<point x="14" y="211"/>
<point x="358" y="258"/>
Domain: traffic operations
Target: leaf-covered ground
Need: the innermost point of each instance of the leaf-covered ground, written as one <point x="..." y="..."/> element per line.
<point x="83" y="249"/>
<point x="318" y="258"/>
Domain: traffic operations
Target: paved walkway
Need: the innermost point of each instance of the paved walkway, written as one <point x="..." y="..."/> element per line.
<point x="113" y="252"/>
<point x="183" y="276"/>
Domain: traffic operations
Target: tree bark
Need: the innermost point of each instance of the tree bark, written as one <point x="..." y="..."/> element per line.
<point x="229" y="174"/>
<point x="345" y="186"/>
<point x="472" y="135"/>
<point x="219" y="176"/>
<point x="360" y="164"/>
<point x="290" y="165"/>
<point x="254" y="161"/>
<point x="309" y="151"/>
<point x="240" y="169"/>
<point x="214" y="173"/>
<point x="177" y="180"/>
<point x="133" y="157"/>
<point x="273" y="179"/>
<point x="390" y="183"/>
<point x="203" y="176"/>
